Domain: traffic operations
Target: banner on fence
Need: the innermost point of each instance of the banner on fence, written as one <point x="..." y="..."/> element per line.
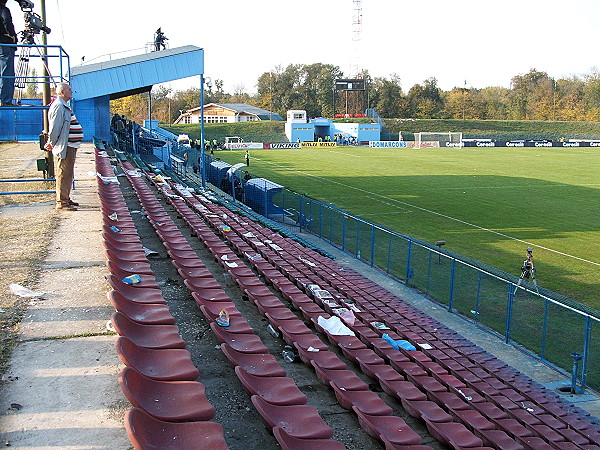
<point x="527" y="144"/>
<point x="283" y="145"/>
<point x="244" y="145"/>
<point x="387" y="144"/>
<point x="319" y="144"/>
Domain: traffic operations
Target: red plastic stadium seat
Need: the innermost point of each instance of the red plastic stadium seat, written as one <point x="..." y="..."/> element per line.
<point x="130" y="267"/>
<point x="454" y="434"/>
<point x="325" y="359"/>
<point x="149" y="336"/>
<point x="345" y="379"/>
<point x="158" y="364"/>
<point x="245" y="343"/>
<point x="171" y="401"/>
<point x="275" y="390"/>
<point x="262" y="365"/>
<point x="366" y="401"/>
<point x="148" y="433"/>
<point x="136" y="294"/>
<point x="288" y="442"/>
<point x="393" y="428"/>
<point x="299" y="421"/>
<point x="145" y="313"/>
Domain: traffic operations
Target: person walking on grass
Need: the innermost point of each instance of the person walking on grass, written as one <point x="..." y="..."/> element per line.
<point x="64" y="138"/>
<point x="247" y="158"/>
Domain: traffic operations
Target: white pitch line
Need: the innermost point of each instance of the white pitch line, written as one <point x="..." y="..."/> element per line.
<point x="531" y="244"/>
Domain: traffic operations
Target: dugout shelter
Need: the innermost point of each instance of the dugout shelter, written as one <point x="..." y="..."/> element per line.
<point x="298" y="128"/>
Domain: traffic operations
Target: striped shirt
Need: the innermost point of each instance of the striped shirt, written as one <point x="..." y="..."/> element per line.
<point x="75" y="132"/>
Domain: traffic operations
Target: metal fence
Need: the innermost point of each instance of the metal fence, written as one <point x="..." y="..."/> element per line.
<point x="551" y="327"/>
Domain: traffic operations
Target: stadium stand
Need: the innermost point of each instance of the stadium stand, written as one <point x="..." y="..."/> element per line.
<point x="464" y="396"/>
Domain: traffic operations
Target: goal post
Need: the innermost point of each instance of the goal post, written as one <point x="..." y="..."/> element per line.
<point x="433" y="139"/>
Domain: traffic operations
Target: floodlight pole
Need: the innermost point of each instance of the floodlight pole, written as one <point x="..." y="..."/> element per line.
<point x="202" y="165"/>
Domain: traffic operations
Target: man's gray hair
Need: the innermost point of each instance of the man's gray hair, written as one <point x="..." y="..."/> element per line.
<point x="60" y="87"/>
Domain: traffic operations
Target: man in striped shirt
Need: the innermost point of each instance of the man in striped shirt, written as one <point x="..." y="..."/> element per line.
<point x="64" y="138"/>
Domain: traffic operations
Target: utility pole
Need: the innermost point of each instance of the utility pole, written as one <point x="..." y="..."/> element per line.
<point x="46" y="88"/>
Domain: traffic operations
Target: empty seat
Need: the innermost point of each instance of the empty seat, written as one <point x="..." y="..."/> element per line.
<point x="149" y="336"/>
<point x="394" y="429"/>
<point x="288" y="442"/>
<point x="345" y="379"/>
<point x="245" y="343"/>
<point x="158" y="364"/>
<point x="366" y="401"/>
<point x="145" y="313"/>
<point x="299" y="421"/>
<point x="275" y="390"/>
<point x="259" y="364"/>
<point x="147" y="433"/>
<point x="454" y="434"/>
<point x="171" y="401"/>
<point x="402" y="389"/>
<point x="326" y="359"/>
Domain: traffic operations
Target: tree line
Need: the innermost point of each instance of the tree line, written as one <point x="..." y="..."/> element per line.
<point x="531" y="96"/>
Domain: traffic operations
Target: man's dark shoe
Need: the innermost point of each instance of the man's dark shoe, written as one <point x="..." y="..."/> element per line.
<point x="72" y="203"/>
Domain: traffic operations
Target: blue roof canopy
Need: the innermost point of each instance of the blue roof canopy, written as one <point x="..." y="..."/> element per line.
<point x="127" y="76"/>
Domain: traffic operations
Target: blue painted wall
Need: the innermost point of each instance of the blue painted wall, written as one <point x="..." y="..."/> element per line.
<point x="94" y="116"/>
<point x="22" y="124"/>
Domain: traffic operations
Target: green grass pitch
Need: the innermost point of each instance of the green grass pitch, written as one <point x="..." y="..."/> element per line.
<point x="487" y="204"/>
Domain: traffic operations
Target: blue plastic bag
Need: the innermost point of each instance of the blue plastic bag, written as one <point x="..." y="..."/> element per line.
<point x="397" y="344"/>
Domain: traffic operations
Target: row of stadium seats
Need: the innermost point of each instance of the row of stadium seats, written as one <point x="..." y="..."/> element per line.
<point x="276" y="397"/>
<point x="466" y="397"/>
<point x="505" y="407"/>
<point x="159" y="377"/>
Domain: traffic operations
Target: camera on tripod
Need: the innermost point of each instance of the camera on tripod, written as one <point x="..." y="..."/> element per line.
<point x="33" y="22"/>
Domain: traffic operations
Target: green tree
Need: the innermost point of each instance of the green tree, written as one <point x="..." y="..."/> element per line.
<point x="496" y="101"/>
<point x="298" y="86"/>
<point x="386" y="96"/>
<point x="425" y="101"/>
<point x="532" y="96"/>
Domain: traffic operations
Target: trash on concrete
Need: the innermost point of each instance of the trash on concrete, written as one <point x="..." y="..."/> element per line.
<point x="334" y="326"/>
<point x="149" y="252"/>
<point x="22" y="291"/>
<point x="289" y="355"/>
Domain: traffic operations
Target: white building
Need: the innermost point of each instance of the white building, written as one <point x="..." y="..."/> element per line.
<point x="227" y="113"/>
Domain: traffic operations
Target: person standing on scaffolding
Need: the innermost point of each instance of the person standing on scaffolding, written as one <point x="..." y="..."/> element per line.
<point x="159" y="40"/>
<point x="7" y="56"/>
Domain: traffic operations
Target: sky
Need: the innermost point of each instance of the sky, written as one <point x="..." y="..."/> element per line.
<point x="484" y="43"/>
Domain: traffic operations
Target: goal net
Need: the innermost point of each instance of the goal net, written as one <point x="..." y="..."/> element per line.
<point x="429" y="139"/>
